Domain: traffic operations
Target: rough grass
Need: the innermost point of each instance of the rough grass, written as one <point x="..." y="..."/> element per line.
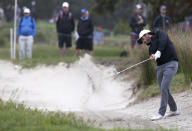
<point x="147" y="73"/>
<point x="122" y="41"/>
<point x="46" y="33"/>
<point x="18" y="118"/>
<point x="183" y="44"/>
<point x="178" y="85"/>
<point x="49" y="55"/>
<point x="45" y="49"/>
<point x="15" y="117"/>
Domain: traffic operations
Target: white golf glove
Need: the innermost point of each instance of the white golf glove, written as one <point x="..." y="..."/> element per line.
<point x="157" y="55"/>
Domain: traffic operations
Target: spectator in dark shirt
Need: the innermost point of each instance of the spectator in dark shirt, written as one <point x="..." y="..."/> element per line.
<point x="137" y="22"/>
<point x="85" y="32"/>
<point x="162" y="21"/>
<point x="65" y="26"/>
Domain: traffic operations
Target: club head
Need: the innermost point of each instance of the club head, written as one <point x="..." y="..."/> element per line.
<point x="117" y="73"/>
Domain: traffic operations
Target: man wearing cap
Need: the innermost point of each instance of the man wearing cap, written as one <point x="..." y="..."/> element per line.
<point x="163" y="52"/>
<point x="26" y="33"/>
<point x="65" y="26"/>
<point x="85" y="31"/>
<point x="137" y="22"/>
<point x="162" y="21"/>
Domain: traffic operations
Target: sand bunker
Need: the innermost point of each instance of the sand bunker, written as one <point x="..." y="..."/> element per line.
<point x="82" y="86"/>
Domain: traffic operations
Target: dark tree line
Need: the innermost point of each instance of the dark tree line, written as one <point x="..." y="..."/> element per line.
<point x="108" y="13"/>
<point x="46" y="8"/>
<point x="177" y="9"/>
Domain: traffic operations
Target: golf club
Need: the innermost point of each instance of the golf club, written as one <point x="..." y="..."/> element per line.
<point x="132" y="66"/>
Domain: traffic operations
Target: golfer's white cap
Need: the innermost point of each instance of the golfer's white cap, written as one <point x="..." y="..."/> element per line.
<point x="27" y="11"/>
<point x="141" y="34"/>
<point x="138" y="6"/>
<point x="65" y="4"/>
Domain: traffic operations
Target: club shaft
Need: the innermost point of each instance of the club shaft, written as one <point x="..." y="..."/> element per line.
<point x="133" y="66"/>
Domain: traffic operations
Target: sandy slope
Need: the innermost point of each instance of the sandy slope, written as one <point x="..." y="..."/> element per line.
<point x="90" y="91"/>
<point x="138" y="116"/>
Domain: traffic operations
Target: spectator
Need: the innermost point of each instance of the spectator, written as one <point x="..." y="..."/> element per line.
<point x="26" y="33"/>
<point x="137" y="22"/>
<point x="85" y="31"/>
<point x="99" y="36"/>
<point x="9" y="11"/>
<point x="65" y="26"/>
<point x="187" y="26"/>
<point x="162" y="21"/>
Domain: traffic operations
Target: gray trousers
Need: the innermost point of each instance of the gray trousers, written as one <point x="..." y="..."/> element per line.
<point x="25" y="46"/>
<point x="165" y="74"/>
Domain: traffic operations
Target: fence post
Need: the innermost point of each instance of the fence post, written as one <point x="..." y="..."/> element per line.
<point x="11" y="43"/>
<point x="15" y="28"/>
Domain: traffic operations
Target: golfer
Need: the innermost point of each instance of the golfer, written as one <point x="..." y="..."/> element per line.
<point x="163" y="52"/>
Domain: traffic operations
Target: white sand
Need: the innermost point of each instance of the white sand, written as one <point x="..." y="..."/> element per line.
<point x="82" y="86"/>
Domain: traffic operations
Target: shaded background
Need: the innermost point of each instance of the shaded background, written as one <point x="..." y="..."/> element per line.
<point x="111" y="14"/>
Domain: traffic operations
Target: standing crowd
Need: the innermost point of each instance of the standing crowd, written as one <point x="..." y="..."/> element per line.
<point x="138" y="22"/>
<point x="65" y="26"/>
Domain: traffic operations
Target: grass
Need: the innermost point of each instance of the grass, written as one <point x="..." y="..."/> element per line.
<point x="4" y="34"/>
<point x="18" y="118"/>
<point x="183" y="44"/>
<point x="46" y="51"/>
<point x="46" y="33"/>
<point x="178" y="85"/>
<point x="122" y="41"/>
<point x="147" y="73"/>
<point x="49" y="55"/>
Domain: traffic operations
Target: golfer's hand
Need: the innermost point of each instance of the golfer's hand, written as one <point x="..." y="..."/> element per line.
<point x="152" y="57"/>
